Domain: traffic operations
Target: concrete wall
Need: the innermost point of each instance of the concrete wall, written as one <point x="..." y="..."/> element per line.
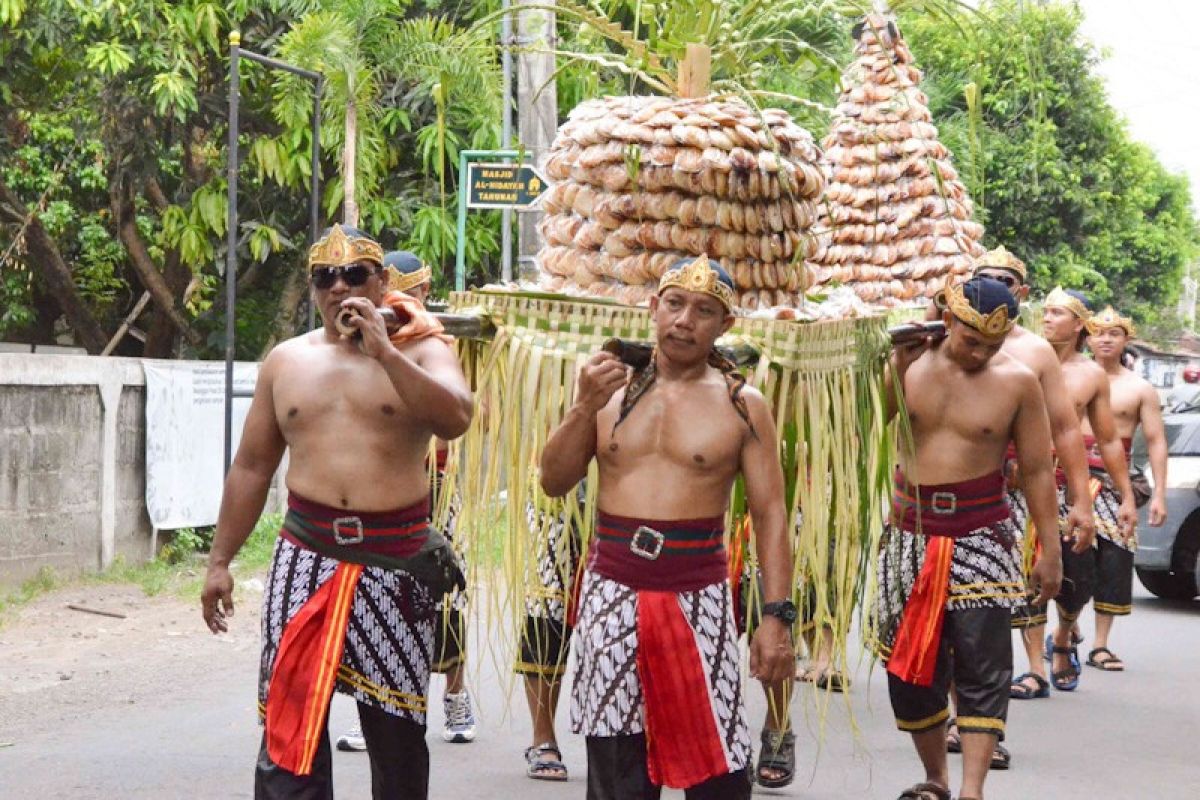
<point x="73" y="464"/>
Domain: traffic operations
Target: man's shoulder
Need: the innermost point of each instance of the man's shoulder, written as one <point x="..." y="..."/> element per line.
<point x="1031" y="349"/>
<point x="1015" y="370"/>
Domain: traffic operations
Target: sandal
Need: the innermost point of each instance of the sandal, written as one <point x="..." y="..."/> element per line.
<point x="1076" y="640"/>
<point x="925" y="791"/>
<point x="1020" y="690"/>
<point x="541" y="768"/>
<point x="832" y="681"/>
<point x="1111" y="664"/>
<point x="1001" y="758"/>
<point x="953" y="739"/>
<point x="778" y="755"/>
<point x="1067" y="680"/>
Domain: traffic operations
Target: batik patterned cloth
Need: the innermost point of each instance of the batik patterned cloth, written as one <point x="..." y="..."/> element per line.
<point x="607" y="697"/>
<point x="389" y="636"/>
<point x="1106" y="505"/>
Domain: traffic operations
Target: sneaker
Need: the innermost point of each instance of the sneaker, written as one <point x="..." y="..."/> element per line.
<point x="460" y="719"/>
<point x="352" y="740"/>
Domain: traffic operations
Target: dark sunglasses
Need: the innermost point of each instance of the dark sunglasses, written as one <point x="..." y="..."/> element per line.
<point x="352" y="274"/>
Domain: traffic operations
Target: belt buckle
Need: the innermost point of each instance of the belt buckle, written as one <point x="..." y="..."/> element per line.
<point x="647" y="543"/>
<point x="949" y="507"/>
<point x="354" y="523"/>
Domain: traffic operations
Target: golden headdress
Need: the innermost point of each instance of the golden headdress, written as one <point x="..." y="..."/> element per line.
<point x="344" y="245"/>
<point x="995" y="323"/>
<point x="1000" y="258"/>
<point x="1109" y="318"/>
<point x="698" y="275"/>
<point x="1060" y="299"/>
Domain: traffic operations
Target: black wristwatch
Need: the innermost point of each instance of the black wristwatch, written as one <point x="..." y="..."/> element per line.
<point x="784" y="610"/>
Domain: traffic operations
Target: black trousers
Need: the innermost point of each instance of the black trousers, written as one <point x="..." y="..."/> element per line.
<point x="617" y="771"/>
<point x="399" y="763"/>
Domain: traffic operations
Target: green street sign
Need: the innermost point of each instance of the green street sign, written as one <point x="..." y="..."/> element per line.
<point x="503" y="185"/>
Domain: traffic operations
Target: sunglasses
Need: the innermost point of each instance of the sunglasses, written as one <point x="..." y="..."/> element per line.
<point x="352" y="275"/>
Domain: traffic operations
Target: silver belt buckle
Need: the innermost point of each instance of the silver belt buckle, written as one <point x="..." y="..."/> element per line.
<point x="948" y="507"/>
<point x="647" y="543"/>
<point x="356" y="526"/>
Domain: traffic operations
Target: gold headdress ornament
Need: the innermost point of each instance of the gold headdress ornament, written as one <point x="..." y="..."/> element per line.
<point x="996" y="323"/>
<point x="337" y="249"/>
<point x="1000" y="258"/>
<point x="403" y="281"/>
<point x="699" y="276"/>
<point x="1109" y="318"/>
<point x="1060" y="299"/>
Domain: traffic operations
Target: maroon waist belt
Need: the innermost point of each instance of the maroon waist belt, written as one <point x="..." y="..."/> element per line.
<point x="659" y="555"/>
<point x="391" y="534"/>
<point x="950" y="509"/>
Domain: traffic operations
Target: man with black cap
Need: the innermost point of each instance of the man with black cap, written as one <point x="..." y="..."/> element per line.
<point x="948" y="571"/>
<point x="657" y="687"/>
<point x="357" y="569"/>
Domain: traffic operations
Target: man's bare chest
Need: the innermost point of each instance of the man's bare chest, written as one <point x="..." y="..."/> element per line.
<point x="329" y="393"/>
<point x="696" y="435"/>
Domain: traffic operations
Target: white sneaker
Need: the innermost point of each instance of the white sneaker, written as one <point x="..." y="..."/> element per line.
<point x="352" y="740"/>
<point x="460" y="719"/>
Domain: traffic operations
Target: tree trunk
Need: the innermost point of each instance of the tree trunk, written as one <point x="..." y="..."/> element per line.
<point x="162" y="338"/>
<point x="289" y="306"/>
<point x="147" y="271"/>
<point x="349" y="156"/>
<point x="53" y="272"/>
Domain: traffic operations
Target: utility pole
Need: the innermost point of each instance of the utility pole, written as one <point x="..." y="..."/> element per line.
<point x="537" y="104"/>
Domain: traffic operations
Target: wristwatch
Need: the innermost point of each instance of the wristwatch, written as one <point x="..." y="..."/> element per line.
<point x="784" y="610"/>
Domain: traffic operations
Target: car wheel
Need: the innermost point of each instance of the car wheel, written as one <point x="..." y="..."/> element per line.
<point x="1168" y="585"/>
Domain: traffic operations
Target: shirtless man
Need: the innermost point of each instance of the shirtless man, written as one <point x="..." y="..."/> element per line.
<point x="1072" y="476"/>
<point x="1066" y="316"/>
<point x="357" y="570"/>
<point x="1134" y="402"/>
<point x="405" y="272"/>
<point x="657" y="689"/>
<point x="948" y="571"/>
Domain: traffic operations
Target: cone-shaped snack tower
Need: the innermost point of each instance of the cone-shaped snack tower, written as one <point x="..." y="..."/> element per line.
<point x="641" y="182"/>
<point x="897" y="220"/>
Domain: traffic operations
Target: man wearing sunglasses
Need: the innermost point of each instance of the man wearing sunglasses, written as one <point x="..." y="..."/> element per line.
<point x="357" y="570"/>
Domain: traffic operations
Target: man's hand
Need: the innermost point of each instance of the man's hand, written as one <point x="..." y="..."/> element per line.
<point x="369" y="323"/>
<point x="1127" y="517"/>
<point x="1158" y="510"/>
<point x="218" y="587"/>
<point x="602" y="375"/>
<point x="772" y="654"/>
<point x="904" y="355"/>
<point x="1080" y="527"/>
<point x="1046" y="577"/>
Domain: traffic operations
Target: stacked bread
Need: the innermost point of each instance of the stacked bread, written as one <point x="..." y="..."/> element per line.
<point x="640" y="182"/>
<point x="896" y="223"/>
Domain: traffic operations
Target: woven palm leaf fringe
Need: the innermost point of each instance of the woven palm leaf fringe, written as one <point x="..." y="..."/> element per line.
<point x="823" y="379"/>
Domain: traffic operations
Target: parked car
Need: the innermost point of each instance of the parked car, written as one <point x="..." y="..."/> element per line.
<point x="1168" y="558"/>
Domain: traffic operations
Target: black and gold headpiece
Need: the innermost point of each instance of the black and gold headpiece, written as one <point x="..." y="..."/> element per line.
<point x="1060" y="298"/>
<point x="700" y="275"/>
<point x="995" y="323"/>
<point x="405" y="271"/>
<point x="342" y="245"/>
<point x="1109" y="318"/>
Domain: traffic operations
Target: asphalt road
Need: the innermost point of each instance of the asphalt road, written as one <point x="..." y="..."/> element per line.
<point x="177" y="721"/>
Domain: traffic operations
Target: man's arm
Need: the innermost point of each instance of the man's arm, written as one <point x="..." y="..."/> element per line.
<point x="572" y="446"/>
<point x="430" y="383"/>
<point x="1104" y="428"/>
<point x="771" y="652"/>
<point x="1031" y="432"/>
<point x="1151" y="420"/>
<point x="1068" y="445"/>
<point x="244" y="494"/>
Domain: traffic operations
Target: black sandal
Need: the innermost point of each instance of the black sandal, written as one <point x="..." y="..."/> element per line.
<point x="925" y="791"/>
<point x="953" y="739"/>
<point x="778" y="755"/>
<point x="1019" y="690"/>
<point x="540" y="768"/>
<point x="1001" y="758"/>
<point x="1111" y="664"/>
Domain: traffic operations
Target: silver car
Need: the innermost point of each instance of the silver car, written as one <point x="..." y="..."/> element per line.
<point x="1168" y="558"/>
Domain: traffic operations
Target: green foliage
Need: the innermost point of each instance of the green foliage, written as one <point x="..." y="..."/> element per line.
<point x="1049" y="162"/>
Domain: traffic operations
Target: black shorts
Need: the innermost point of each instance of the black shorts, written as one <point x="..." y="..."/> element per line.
<point x="449" y="639"/>
<point x="1114" y="578"/>
<point x="1078" y="584"/>
<point x="976" y="652"/>
<point x="543" y="648"/>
